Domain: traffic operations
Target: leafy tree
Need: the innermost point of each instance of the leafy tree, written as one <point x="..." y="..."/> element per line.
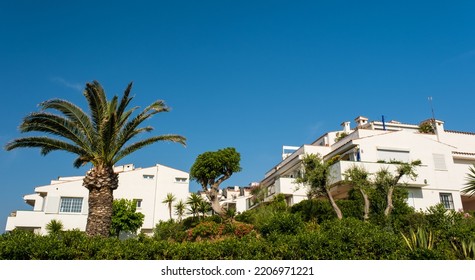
<point x="358" y="177"/>
<point x="470" y="185"/>
<point x="125" y="217"/>
<point x="169" y="200"/>
<point x="54" y="227"/>
<point x="101" y="138"/>
<point x="316" y="176"/>
<point x="389" y="181"/>
<point x="211" y="169"/>
<point x="180" y="208"/>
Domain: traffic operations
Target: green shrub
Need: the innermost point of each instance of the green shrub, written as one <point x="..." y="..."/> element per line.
<point x="282" y="222"/>
<point x="169" y="231"/>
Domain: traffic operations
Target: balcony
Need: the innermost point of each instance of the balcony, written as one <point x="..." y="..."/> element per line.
<point x="338" y="170"/>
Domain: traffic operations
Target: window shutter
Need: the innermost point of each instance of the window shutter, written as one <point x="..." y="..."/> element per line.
<point x="439" y="162"/>
<point x="52" y="204"/>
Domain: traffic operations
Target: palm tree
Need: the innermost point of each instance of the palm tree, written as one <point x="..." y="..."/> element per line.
<point x="54" y="227"/>
<point x="180" y="208"/>
<point x="169" y="200"/>
<point x="194" y="201"/>
<point x="101" y="138"/>
<point x="470" y="185"/>
<point x="204" y="207"/>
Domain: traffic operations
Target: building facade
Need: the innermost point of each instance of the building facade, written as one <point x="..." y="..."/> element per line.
<point x="445" y="155"/>
<point x="66" y="200"/>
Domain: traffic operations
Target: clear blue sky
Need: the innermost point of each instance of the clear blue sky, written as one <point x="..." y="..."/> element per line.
<point x="254" y="75"/>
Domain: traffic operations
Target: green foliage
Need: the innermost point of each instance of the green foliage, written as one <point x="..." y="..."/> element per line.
<point x="315" y="174"/>
<point x="420" y="239"/>
<point x="282" y="223"/>
<point x="169" y="199"/>
<point x="210" y="167"/>
<point x="427" y="127"/>
<point x="470" y="184"/>
<point x="465" y="250"/>
<point x="125" y="218"/>
<point x="54" y="227"/>
<point x="169" y="231"/>
<point x="209" y="230"/>
<point x="340" y="136"/>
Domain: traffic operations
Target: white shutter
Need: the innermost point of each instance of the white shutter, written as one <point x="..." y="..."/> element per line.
<point x="52" y="204"/>
<point x="439" y="162"/>
<point x="85" y="206"/>
<point x="393" y="155"/>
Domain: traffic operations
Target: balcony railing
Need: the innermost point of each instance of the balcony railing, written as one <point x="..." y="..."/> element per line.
<point x="337" y="171"/>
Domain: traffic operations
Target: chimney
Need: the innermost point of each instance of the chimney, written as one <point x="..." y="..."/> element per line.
<point x="439" y="130"/>
<point x="346" y="127"/>
<point x="361" y="121"/>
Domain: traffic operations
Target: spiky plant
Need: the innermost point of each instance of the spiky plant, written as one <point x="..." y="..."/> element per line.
<point x="470" y="184"/>
<point x="180" y="208"/>
<point x="54" y="227"/>
<point x="101" y="138"/>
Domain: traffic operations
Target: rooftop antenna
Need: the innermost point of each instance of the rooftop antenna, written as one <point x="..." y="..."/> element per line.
<point x="434" y="125"/>
<point x="431" y="108"/>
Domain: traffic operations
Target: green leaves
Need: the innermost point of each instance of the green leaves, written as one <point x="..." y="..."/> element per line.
<point x="214" y="167"/>
<point x="100" y="137"/>
<point x="125" y="217"/>
<point x="470" y="185"/>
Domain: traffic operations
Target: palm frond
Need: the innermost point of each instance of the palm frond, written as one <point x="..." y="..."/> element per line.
<point x="46" y="144"/>
<point x="74" y="114"/>
<point x="470" y="184"/>
<point x="56" y="125"/>
<point x="139" y="145"/>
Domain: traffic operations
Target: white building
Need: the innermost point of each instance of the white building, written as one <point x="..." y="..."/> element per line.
<point x="446" y="157"/>
<point x="66" y="200"/>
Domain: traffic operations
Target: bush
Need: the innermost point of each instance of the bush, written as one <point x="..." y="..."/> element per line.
<point x="169" y="231"/>
<point x="283" y="223"/>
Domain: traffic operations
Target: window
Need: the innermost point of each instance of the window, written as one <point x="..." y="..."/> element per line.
<point x="70" y="205"/>
<point x="446" y="200"/>
<point x="439" y="162"/>
<point x="391" y="155"/>
<point x="149" y="177"/>
<point x="180" y="180"/>
<point x="139" y="203"/>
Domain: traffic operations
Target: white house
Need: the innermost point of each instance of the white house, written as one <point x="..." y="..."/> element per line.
<point x="66" y="200"/>
<point x="446" y="157"/>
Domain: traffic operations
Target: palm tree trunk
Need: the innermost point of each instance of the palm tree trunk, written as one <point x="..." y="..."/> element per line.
<point x="170" y="210"/>
<point x="101" y="183"/>
<point x="335" y="207"/>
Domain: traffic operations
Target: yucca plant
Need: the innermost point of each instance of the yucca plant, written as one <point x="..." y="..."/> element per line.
<point x="101" y="138"/>
<point x="421" y="239"/>
<point x="466" y="250"/>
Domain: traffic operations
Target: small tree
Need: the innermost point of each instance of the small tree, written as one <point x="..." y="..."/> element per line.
<point x="169" y="200"/>
<point x="180" y="208"/>
<point x="211" y="169"/>
<point x="54" y="227"/>
<point x="125" y="217"/>
<point x="389" y="181"/>
<point x="316" y="175"/>
<point x="358" y="177"/>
